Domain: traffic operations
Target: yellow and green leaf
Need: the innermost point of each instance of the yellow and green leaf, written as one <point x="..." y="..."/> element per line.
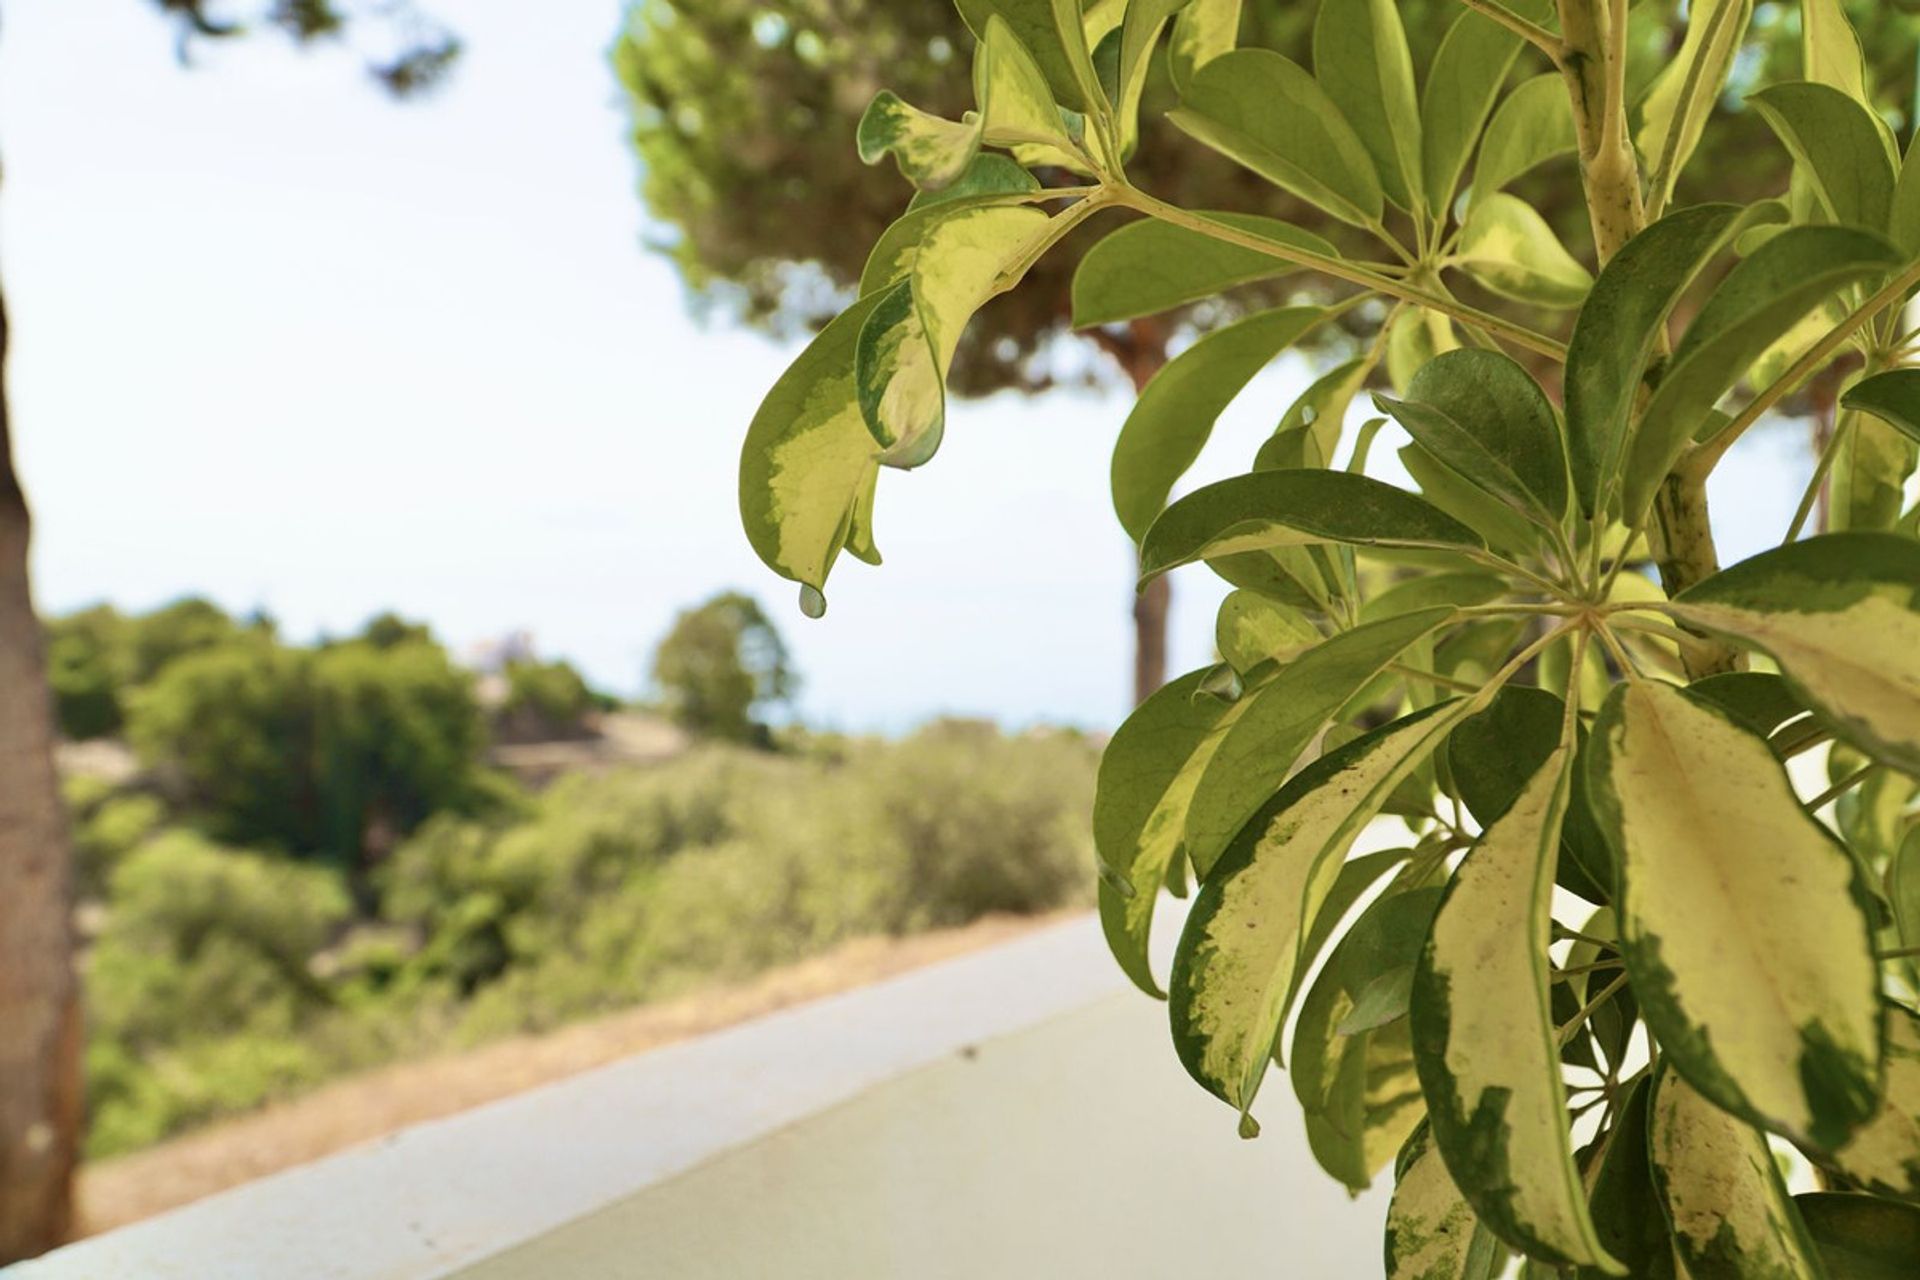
<point x="1484" y="1036"/>
<point x="1884" y="1154"/>
<point x="1840" y="614"/>
<point x="1724" y="876"/>
<point x="1431" y="1232"/>
<point x="1728" y="1208"/>
<point x="1239" y="958"/>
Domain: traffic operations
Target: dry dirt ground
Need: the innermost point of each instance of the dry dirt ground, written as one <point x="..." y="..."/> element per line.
<point x="364" y="1107"/>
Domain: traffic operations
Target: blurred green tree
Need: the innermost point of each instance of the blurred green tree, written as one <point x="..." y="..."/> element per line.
<point x="40" y="1092"/>
<point x="722" y="666"/>
<point x="338" y="752"/>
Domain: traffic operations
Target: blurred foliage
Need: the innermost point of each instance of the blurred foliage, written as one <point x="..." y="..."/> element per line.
<point x="405" y="50"/>
<point x="546" y="700"/>
<point x="224" y="978"/>
<point x="336" y="751"/>
<point x="743" y="116"/>
<point x="722" y="666"/>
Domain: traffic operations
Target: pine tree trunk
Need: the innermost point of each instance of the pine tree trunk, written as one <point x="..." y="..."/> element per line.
<point x="40" y="1028"/>
<point x="1143" y="356"/>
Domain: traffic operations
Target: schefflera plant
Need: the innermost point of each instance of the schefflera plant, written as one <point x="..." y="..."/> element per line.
<point x="1627" y="956"/>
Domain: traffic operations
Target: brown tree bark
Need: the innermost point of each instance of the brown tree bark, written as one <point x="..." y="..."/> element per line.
<point x="40" y="1027"/>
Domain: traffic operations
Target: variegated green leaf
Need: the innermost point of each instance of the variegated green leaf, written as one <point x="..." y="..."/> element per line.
<point x="1140" y="30"/>
<point x="1431" y="1233"/>
<point x="1264" y="111"/>
<point x="1313" y="423"/>
<point x="1484" y="1037"/>
<point x="1294" y="508"/>
<point x="1283" y="717"/>
<point x="1352" y="1062"/>
<point x="1760" y="299"/>
<point x="1467" y="73"/>
<point x="1495" y="523"/>
<point x="1838" y="613"/>
<point x="1239" y="956"/>
<point x="808" y="456"/>
<point x="1510" y="250"/>
<point x="1721" y="871"/>
<point x="1146" y="782"/>
<point x="1051" y="31"/>
<point x="1862" y="1237"/>
<point x="1174" y="416"/>
<point x="1532" y="126"/>
<point x="1484" y="416"/>
<point x="1676" y="109"/>
<point x="1360" y="58"/>
<point x="1884" y="1154"/>
<point x="1893" y="397"/>
<point x="1624" y="318"/>
<point x="1626" y="1208"/>
<point x="1830" y="49"/>
<point x="1730" y="1214"/>
<point x="1151" y="266"/>
<point x="1204" y="30"/>
<point x="1841" y="146"/>
<point x="1251" y="629"/>
<point x="906" y="345"/>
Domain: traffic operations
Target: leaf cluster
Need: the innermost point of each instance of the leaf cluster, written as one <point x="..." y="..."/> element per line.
<point x="1489" y="810"/>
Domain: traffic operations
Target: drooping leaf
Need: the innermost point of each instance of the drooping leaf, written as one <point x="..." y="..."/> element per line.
<point x="1239" y="956"/>
<point x="1481" y="413"/>
<point x="1283" y="717"/>
<point x="1760" y="299"/>
<point x="1294" y="508"/>
<point x="1356" y="1084"/>
<point x="1151" y="266"/>
<point x="1174" y="416"/>
<point x="1510" y="250"/>
<point x="1893" y="397"/>
<point x="1861" y="1237"/>
<point x="1146" y="782"/>
<point x="1838" y="613"/>
<point x="1431" y="1233"/>
<point x="1484" y="1037"/>
<point x="1467" y="72"/>
<point x="1360" y="58"/>
<point x="1731" y="1217"/>
<point x="1624" y="317"/>
<point x="807" y="456"/>
<point x="1204" y="30"/>
<point x="1251" y="629"/>
<point x="1884" y="1154"/>
<point x="1676" y="108"/>
<point x="1532" y="126"/>
<point x="1264" y="111"/>
<point x="1625" y="1205"/>
<point x="1839" y="143"/>
<point x="1720" y="871"/>
<point x="908" y="342"/>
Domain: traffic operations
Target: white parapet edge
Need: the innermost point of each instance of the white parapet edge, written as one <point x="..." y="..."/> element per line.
<point x="425" y="1202"/>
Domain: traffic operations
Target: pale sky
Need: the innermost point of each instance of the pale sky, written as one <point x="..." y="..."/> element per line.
<point x="283" y="343"/>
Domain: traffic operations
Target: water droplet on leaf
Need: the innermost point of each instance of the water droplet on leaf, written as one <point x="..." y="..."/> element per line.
<point x="812" y="602"/>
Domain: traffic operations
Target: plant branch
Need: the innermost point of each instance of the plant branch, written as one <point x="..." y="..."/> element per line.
<point x="1540" y="37"/>
<point x="1339" y="269"/>
<point x="1841" y="788"/>
<point x="1579" y="1019"/>
<point x="1703" y="457"/>
<point x="1828" y="452"/>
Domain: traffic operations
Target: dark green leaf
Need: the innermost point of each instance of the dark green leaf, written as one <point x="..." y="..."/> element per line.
<point x="1483" y="415"/>
<point x="1861" y="1237"/>
<point x="1893" y="397"/>
<point x="1839" y="143"/>
<point x="1360" y="58"/>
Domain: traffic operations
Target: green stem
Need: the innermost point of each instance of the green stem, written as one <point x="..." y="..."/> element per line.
<point x="1841" y="788"/>
<point x="1339" y="269"/>
<point x="1704" y="456"/>
<point x="1579" y="1019"/>
<point x="1541" y="38"/>
<point x="1821" y="467"/>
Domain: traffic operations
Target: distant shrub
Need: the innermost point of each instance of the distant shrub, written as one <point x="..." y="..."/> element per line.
<point x="545" y="700"/>
<point x="85" y="668"/>
<point x="106" y="831"/>
<point x="201" y="939"/>
<point x="339" y="751"/>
